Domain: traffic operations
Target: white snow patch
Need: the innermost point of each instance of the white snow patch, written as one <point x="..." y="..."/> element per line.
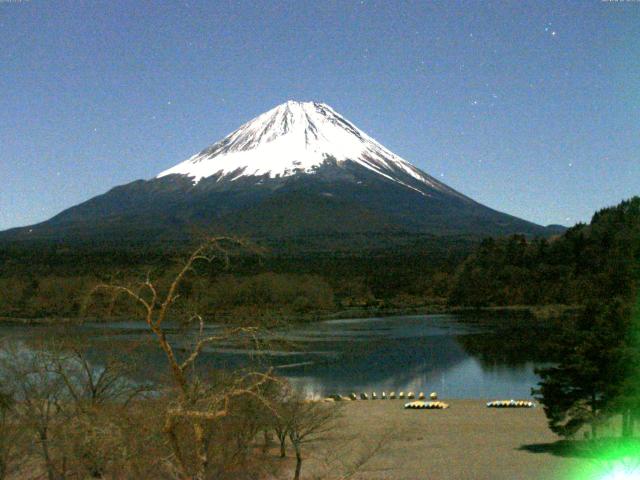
<point x="296" y="137"/>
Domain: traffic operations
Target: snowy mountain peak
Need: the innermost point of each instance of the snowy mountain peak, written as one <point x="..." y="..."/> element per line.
<point x="293" y="138"/>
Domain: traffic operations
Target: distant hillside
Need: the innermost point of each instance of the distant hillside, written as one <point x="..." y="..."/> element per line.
<point x="586" y="261"/>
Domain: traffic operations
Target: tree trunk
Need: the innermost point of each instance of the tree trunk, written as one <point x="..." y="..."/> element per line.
<point x="594" y="406"/>
<point x="283" y="445"/>
<point x="298" y="464"/>
<point x="51" y="471"/>
<point x="169" y="430"/>
<point x="626" y="423"/>
<point x="267" y="441"/>
<point x="201" y="452"/>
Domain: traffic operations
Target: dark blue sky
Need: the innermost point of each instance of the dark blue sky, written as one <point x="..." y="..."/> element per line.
<point x="530" y="107"/>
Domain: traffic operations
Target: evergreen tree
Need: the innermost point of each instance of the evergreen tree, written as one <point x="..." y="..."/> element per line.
<point x="626" y="395"/>
<point x="580" y="389"/>
<point x="599" y="372"/>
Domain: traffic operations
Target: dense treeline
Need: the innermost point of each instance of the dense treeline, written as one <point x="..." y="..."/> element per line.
<point x="288" y="293"/>
<point x="53" y="281"/>
<point x="587" y="261"/>
<point x="598" y="373"/>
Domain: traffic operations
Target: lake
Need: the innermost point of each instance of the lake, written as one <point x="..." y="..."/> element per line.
<point x="456" y="356"/>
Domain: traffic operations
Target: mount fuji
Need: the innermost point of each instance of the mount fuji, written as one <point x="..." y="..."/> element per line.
<point x="300" y="171"/>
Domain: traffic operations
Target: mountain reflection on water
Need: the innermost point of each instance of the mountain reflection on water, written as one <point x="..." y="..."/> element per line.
<point x="456" y="356"/>
<point x="444" y="353"/>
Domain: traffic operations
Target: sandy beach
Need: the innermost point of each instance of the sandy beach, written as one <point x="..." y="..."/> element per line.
<point x="466" y="441"/>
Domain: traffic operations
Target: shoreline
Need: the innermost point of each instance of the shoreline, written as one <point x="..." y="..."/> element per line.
<point x="538" y="312"/>
<point x="456" y="400"/>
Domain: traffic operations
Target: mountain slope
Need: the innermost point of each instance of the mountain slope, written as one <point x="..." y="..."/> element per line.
<point x="299" y="170"/>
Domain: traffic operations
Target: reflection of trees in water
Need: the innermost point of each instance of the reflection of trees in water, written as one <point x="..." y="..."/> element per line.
<point x="389" y="363"/>
<point x="511" y="346"/>
<point x="340" y="360"/>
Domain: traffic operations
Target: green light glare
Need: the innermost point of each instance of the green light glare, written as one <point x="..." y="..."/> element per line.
<point x="613" y="459"/>
<point x="621" y="474"/>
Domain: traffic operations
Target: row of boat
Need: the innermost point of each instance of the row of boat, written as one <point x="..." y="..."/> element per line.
<point x="422" y="402"/>
<point x="511" y="404"/>
<point x="494" y="404"/>
<point x="384" y="396"/>
<point x="420" y="405"/>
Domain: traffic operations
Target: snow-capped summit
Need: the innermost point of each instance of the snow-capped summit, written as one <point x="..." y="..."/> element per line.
<point x="297" y="137"/>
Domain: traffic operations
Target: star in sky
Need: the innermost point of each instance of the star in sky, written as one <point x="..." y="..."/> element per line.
<point x="549" y="30"/>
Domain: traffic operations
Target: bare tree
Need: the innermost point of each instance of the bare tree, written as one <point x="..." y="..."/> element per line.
<point x="198" y="407"/>
<point x="281" y="427"/>
<point x="280" y="423"/>
<point x="91" y="383"/>
<point x="40" y="397"/>
<point x="98" y="396"/>
<point x="71" y="408"/>
<point x="10" y="434"/>
<point x="307" y="421"/>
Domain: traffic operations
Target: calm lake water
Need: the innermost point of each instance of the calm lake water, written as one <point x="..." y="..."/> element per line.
<point x="459" y="357"/>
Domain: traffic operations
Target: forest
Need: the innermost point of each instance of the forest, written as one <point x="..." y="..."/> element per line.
<point x="49" y="280"/>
